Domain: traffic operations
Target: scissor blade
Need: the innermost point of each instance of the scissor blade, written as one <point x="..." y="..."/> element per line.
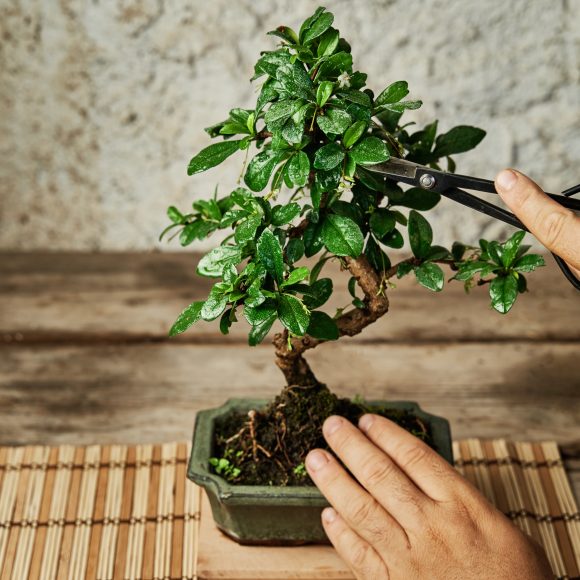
<point x="395" y="168"/>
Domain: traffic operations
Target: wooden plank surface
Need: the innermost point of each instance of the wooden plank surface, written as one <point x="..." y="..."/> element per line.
<point x="84" y="356"/>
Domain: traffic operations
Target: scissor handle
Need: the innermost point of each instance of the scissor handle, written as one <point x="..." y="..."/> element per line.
<point x="507" y="217"/>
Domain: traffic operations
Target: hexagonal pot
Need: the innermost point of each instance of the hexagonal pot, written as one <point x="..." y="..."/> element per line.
<point x="276" y="515"/>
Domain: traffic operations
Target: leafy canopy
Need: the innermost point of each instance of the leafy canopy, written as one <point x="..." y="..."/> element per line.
<point x="314" y="130"/>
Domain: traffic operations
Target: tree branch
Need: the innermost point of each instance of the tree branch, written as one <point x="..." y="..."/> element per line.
<point x="289" y="353"/>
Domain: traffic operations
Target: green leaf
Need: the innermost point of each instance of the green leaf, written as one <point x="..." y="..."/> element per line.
<point x="298" y="169"/>
<point x="328" y="156"/>
<point x="357" y="97"/>
<point x="280" y="112"/>
<point x="316" y="27"/>
<point x="174" y="215"/>
<point x="261" y="318"/>
<point x="293" y="314"/>
<point x="382" y="222"/>
<point x="377" y="258"/>
<point x="401" y="107"/>
<point x="511" y="247"/>
<point x="458" y="250"/>
<point x="342" y="236"/>
<point x="196" y="230"/>
<point x="259" y="331"/>
<point x="334" y="66"/>
<point x="212" y="156"/>
<point x="295" y="81"/>
<point x="216" y="302"/>
<point x="318" y="293"/>
<point x="312" y="239"/>
<point x="261" y="167"/>
<point x="246" y="229"/>
<point x="393" y="239"/>
<point x="294" y="250"/>
<point x="214" y="262"/>
<point x="393" y="93"/>
<point x="188" y="317"/>
<point x="503" y="292"/>
<point x="322" y="326"/>
<point x="269" y="253"/>
<point x="270" y="61"/>
<point x="323" y="92"/>
<point x="353" y="133"/>
<point x="328" y="43"/>
<point x="285" y="33"/>
<point x="469" y="269"/>
<point x="420" y="234"/>
<point x="226" y="321"/>
<point x="418" y="198"/>
<point x="430" y="276"/>
<point x="284" y="214"/>
<point x="404" y="268"/>
<point x="257" y="314"/>
<point x="458" y="140"/>
<point x="334" y="122"/>
<point x="369" y="151"/>
<point x="528" y="263"/>
<point x="296" y="276"/>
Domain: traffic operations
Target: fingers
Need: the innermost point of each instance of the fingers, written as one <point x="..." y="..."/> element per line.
<point x="377" y="473"/>
<point x="358" y="554"/>
<point x="553" y="225"/>
<point x="360" y="511"/>
<point x="424" y="467"/>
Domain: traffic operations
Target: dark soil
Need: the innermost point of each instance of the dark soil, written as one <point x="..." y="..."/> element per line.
<point x="268" y="446"/>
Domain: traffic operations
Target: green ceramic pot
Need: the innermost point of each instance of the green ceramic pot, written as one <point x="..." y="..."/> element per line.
<point x="267" y="515"/>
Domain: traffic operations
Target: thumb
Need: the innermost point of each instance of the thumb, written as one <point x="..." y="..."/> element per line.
<point x="553" y="225"/>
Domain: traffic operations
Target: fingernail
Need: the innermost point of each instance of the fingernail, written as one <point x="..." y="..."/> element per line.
<point x="332" y="424"/>
<point x="329" y="515"/>
<point x="506" y="179"/>
<point x="316" y="460"/>
<point x="365" y="422"/>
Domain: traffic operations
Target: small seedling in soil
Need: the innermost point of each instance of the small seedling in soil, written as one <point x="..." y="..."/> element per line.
<point x="307" y="194"/>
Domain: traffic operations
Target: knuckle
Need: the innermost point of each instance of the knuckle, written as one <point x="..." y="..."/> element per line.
<point x="362" y="510"/>
<point x="377" y="472"/>
<point x="553" y="225"/>
<point x="360" y="555"/>
<point x="412" y="456"/>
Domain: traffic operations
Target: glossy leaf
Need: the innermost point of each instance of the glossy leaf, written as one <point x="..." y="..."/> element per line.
<point x="369" y="151"/>
<point x="269" y="253"/>
<point x="503" y="292"/>
<point x="284" y="214"/>
<point x="393" y="93"/>
<point x="420" y="234"/>
<point x="430" y="276"/>
<point x="187" y="318"/>
<point x="293" y="314"/>
<point x="294" y="250"/>
<point x="322" y="326"/>
<point x="460" y="139"/>
<point x="214" y="262"/>
<point x="382" y="221"/>
<point x="342" y="236"/>
<point x="299" y="169"/>
<point x="328" y="156"/>
<point x="212" y="156"/>
<point x="529" y="263"/>
<point x="216" y="302"/>
<point x="418" y="198"/>
<point x="261" y="167"/>
<point x="334" y="122"/>
<point x="296" y="276"/>
<point x="511" y="247"/>
<point x="318" y="293"/>
<point x="354" y="133"/>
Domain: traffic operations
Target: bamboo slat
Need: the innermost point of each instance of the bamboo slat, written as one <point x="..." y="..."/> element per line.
<point x="104" y="512"/>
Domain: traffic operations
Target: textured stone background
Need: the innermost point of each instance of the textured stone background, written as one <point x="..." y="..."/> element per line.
<point x="102" y="103"/>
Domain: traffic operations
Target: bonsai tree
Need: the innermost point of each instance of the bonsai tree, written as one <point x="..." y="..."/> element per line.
<point x="307" y="194"/>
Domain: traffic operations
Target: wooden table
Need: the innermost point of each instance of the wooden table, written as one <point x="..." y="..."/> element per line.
<point x="84" y="356"/>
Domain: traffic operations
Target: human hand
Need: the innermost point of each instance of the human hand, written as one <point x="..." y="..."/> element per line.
<point x="554" y="226"/>
<point x="410" y="515"/>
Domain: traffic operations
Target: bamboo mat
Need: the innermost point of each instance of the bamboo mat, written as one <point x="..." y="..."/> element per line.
<point x="119" y="511"/>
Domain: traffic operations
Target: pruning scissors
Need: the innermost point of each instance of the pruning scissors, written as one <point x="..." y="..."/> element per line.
<point x="449" y="184"/>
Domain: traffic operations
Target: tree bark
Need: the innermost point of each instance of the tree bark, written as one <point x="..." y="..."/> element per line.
<point x="289" y="352"/>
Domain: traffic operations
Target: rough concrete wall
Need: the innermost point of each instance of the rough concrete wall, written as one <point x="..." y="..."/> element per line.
<point x="103" y="103"/>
